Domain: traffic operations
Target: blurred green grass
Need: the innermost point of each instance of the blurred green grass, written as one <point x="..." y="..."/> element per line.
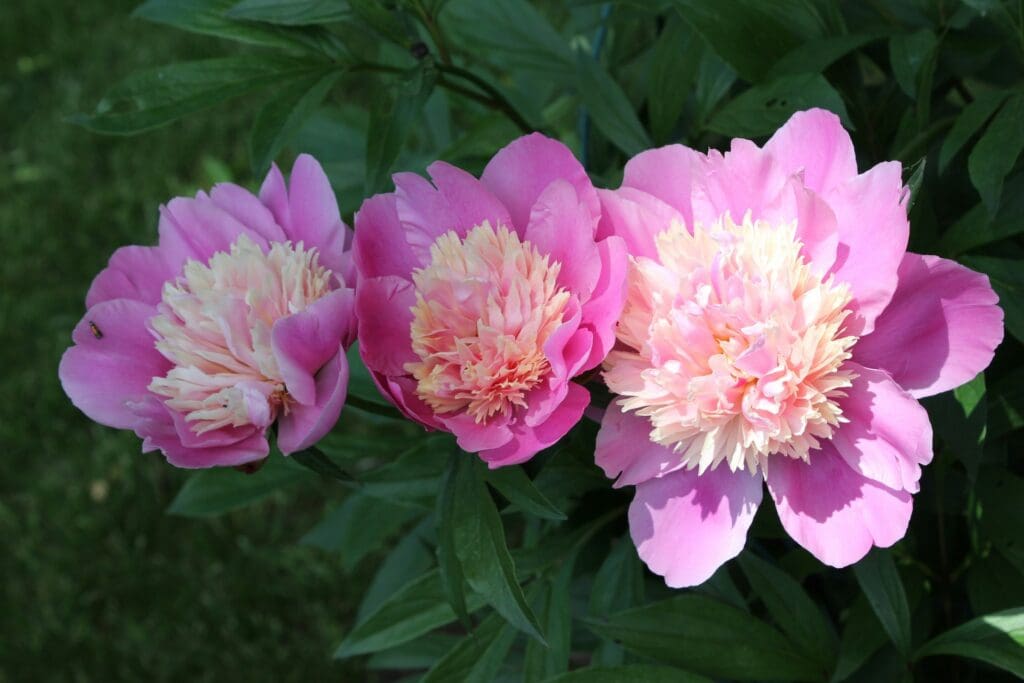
<point x="98" y="583"/>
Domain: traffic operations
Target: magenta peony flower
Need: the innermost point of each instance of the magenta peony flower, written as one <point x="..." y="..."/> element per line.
<point x="238" y="319"/>
<point x="776" y="329"/>
<point x="480" y="300"/>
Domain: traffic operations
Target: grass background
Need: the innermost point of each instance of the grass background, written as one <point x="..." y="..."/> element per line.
<point x="97" y="582"/>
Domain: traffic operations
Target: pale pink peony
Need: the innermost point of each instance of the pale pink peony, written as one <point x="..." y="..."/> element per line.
<point x="480" y="300"/>
<point x="776" y="330"/>
<point x="237" y="320"/>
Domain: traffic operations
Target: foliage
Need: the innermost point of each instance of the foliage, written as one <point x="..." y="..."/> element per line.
<point x="529" y="569"/>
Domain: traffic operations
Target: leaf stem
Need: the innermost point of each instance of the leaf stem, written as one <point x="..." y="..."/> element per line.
<point x="497" y="99"/>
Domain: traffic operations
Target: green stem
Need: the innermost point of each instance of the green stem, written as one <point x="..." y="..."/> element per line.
<point x="497" y="98"/>
<point x="375" y="408"/>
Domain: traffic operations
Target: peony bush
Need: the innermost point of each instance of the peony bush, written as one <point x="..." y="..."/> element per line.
<point x="573" y="352"/>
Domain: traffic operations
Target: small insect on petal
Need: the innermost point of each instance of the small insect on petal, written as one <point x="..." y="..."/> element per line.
<point x="95" y="329"/>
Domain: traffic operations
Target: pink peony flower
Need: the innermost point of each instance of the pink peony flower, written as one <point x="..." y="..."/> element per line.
<point x="237" y="320"/>
<point x="480" y="300"/>
<point x="776" y="329"/>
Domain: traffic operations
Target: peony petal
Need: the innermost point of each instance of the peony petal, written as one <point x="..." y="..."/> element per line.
<point x="304" y="425"/>
<point x="527" y="440"/>
<point x="666" y="173"/>
<point x="635" y="217"/>
<point x="873" y="233"/>
<point x="625" y="452"/>
<point x="469" y="201"/>
<point x="474" y="436"/>
<point x="305" y="341"/>
<point x="274" y="195"/>
<point x="685" y="526"/>
<point x="136" y="273"/>
<point x="888" y="436"/>
<point x="248" y="210"/>
<point x="401" y="391"/>
<point x="562" y="228"/>
<point x="743" y="179"/>
<point x="315" y="220"/>
<point x="380" y="247"/>
<point x="112" y="362"/>
<point x="816" y="225"/>
<point x="197" y="229"/>
<point x="383" y="309"/>
<point x="157" y="430"/>
<point x="814" y="144"/>
<point x="601" y="311"/>
<point x="940" y="329"/>
<point x="521" y="171"/>
<point x="834" y="512"/>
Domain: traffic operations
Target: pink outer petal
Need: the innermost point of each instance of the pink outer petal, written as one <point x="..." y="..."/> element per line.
<point x="455" y="201"/>
<point x="474" y="437"/>
<point x="666" y="173"/>
<point x="197" y="229"/>
<point x="304" y="425"/>
<point x="816" y="225"/>
<point x="940" y="329"/>
<point x="380" y="247"/>
<point x="527" y="441"/>
<point x="565" y="349"/>
<point x="814" y="144"/>
<point x="635" y="217"/>
<point x="873" y="231"/>
<point x="103" y="375"/>
<point x="625" y="452"/>
<point x="383" y="309"/>
<point x="888" y="436"/>
<point x="136" y="273"/>
<point x="315" y="220"/>
<point x="156" y="428"/>
<point x="248" y="210"/>
<point x="305" y="341"/>
<point x="834" y="512"/>
<point x="743" y="179"/>
<point x="601" y="312"/>
<point x="519" y="173"/>
<point x="561" y="227"/>
<point x="401" y="391"/>
<point x="686" y="526"/>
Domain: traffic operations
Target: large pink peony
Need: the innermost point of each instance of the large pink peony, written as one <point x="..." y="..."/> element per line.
<point x="776" y="330"/>
<point x="480" y="300"/>
<point x="237" y="320"/>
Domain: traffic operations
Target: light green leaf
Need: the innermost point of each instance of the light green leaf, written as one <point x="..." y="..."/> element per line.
<point x="694" y="632"/>
<point x="883" y="588"/>
<point x="155" y="97"/>
<point x="997" y="639"/>
<point x="281" y="117"/>
<point x="481" y="548"/>
<point x="215" y="491"/>
<point x="513" y="483"/>
<point x="764" y="108"/>
<point x="792" y="609"/>
<point x="290" y="12"/>
<point x="994" y="156"/>
<point x="609" y="107"/>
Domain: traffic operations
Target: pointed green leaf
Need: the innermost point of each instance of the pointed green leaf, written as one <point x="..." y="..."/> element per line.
<point x="997" y="639"/>
<point x="973" y="117"/>
<point x="359" y="526"/>
<point x="513" y="483"/>
<point x="608" y="106"/>
<point x="640" y="673"/>
<point x="996" y="152"/>
<point x="478" y="657"/>
<point x="281" y="117"/>
<point x="764" y="108"/>
<point x="448" y="562"/>
<point x="392" y="117"/>
<point x="882" y="586"/>
<point x="908" y="54"/>
<point x="290" y="12"/>
<point x="215" y="491"/>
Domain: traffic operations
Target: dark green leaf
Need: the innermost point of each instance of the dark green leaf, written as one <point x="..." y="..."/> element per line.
<point x="553" y="606"/>
<point x="764" y="108"/>
<point x="709" y="629"/>
<point x="360" y="383"/>
<point x="1007" y="279"/>
<point x="908" y="54"/>
<point x="390" y="121"/>
<point x="215" y="491"/>
<point x="388" y="24"/>
<point x="714" y="79"/>
<point x="480" y="546"/>
<point x="996" y="152"/>
<point x="421" y="653"/>
<point x="152" y="98"/>
<point x="447" y="560"/>
<point x="817" y="55"/>
<point x="513" y="483"/>
<point x="1006" y="404"/>
<point x="994" y="584"/>
<point x="290" y="12"/>
<point x="973" y="117"/>
<point x="977" y="228"/>
<point x="414" y="609"/>
<point x="862" y="637"/>
<point x="414" y="477"/>
<point x="749" y="35"/>
<point x="792" y="609"/>
<point x="477" y="657"/>
<point x="609" y="107"/>
<point x="638" y="673"/>
<point x="914" y="182"/>
<point x="882" y="586"/>
<point x="359" y="526"/>
<point x="410" y="558"/>
<point x="315" y="460"/>
<point x="995" y="638"/>
<point x="673" y="71"/>
<point x="282" y="116"/>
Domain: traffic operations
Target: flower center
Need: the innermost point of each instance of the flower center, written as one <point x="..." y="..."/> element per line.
<point x="485" y="306"/>
<point x="732" y="346"/>
<point x="215" y="325"/>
